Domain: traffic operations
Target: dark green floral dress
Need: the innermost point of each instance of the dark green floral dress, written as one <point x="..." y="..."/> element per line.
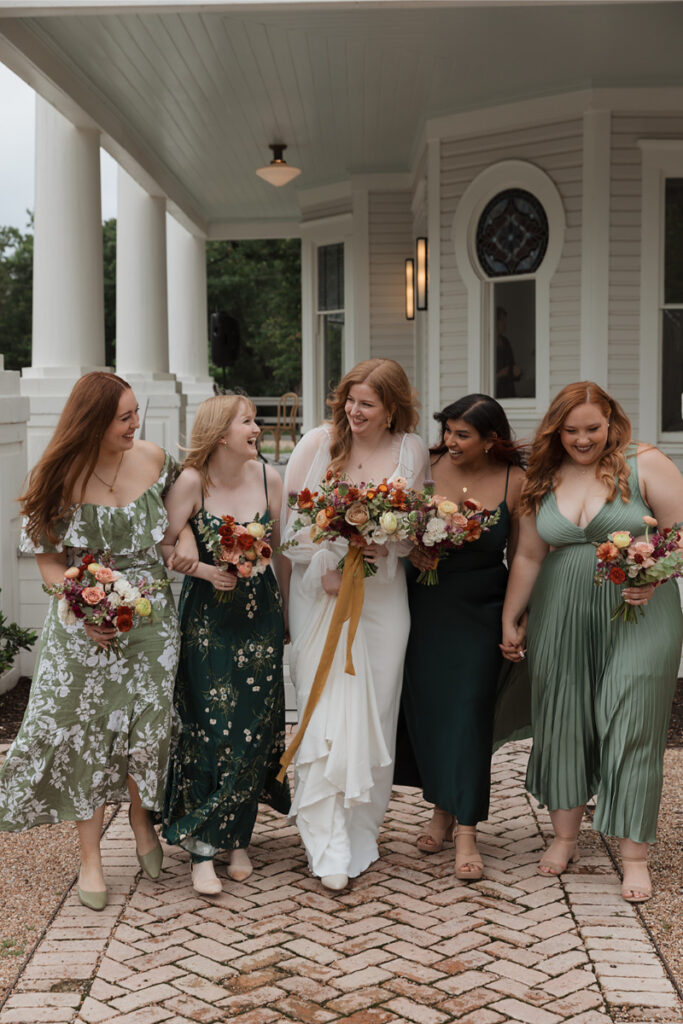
<point x="230" y="700"/>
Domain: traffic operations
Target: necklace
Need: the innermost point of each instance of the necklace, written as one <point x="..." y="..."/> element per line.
<point x="116" y="474"/>
<point x="366" y="458"/>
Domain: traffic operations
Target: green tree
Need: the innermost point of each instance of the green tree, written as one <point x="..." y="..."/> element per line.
<point x="16" y="296"/>
<point x="258" y="283"/>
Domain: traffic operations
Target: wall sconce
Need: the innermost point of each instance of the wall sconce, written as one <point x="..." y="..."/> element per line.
<point x="421" y="272"/>
<point x="410" y="289"/>
<point x="278" y="172"/>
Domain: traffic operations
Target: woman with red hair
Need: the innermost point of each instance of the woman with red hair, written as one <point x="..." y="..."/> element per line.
<point x="601" y="690"/>
<point x="97" y="728"/>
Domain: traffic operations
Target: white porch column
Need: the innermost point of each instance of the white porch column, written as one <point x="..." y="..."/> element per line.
<point x="142" y="312"/>
<point x="188" y="349"/>
<point x="68" y="296"/>
<point x="14" y="412"/>
<point x="595" y="227"/>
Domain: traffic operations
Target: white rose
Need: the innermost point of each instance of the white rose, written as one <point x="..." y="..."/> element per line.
<point x="388" y="522"/>
<point x="121" y="586"/>
<point x="113" y="599"/>
<point x="378" y="536"/>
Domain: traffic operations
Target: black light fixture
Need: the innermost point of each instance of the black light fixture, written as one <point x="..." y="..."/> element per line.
<point x="421" y="273"/>
<point x="410" y="289"/>
<point x="278" y="172"/>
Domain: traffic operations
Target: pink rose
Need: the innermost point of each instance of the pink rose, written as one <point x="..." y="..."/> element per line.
<point x="640" y="552"/>
<point x="93" y="595"/>
<point x="356" y="514"/>
<point x="104" y="575"/>
<point x="459" y="520"/>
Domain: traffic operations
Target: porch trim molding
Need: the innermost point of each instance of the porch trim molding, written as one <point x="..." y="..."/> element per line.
<point x="661" y="158"/>
<point x="595" y="237"/>
<point x="433" y="373"/>
<point x="503" y="175"/>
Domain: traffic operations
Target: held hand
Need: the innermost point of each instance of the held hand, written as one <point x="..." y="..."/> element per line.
<point x="101" y="635"/>
<point x="513" y="644"/>
<point x="179" y="562"/>
<point x="371" y="552"/>
<point x="421" y="560"/>
<point x="638" y="596"/>
<point x="331" y="581"/>
<point x="221" y="579"/>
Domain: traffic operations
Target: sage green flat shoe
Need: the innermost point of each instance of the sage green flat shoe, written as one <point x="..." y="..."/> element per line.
<point x="92" y="900"/>
<point x="151" y="862"/>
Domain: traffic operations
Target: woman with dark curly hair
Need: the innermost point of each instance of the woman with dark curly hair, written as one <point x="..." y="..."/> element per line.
<point x="344" y="763"/>
<point x="453" y="659"/>
<point x="601" y="690"/>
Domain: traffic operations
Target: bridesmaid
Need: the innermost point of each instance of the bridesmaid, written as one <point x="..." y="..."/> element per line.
<point x="449" y="713"/>
<point x="229" y="692"/>
<point x="601" y="690"/>
<point x="97" y="728"/>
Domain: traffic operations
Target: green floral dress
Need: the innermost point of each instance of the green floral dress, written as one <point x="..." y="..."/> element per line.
<point x="230" y="701"/>
<point x="93" y="718"/>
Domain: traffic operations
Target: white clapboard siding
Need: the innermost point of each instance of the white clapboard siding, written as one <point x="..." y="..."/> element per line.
<point x="625" y="244"/>
<point x="390" y="243"/>
<point x="557" y="149"/>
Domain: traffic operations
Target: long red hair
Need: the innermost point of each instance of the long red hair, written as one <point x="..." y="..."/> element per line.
<point x="546" y="453"/>
<point x="71" y="453"/>
<point x="390" y="382"/>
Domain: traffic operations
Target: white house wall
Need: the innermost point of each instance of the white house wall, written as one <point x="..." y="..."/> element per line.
<point x="391" y="242"/>
<point x="556" y="148"/>
<point x="625" y="252"/>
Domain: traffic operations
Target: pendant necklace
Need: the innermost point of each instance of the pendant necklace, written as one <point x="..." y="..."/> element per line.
<point x="367" y="457"/>
<point x="116" y="474"/>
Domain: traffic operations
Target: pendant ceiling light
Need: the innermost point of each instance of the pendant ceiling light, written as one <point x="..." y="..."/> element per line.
<point x="278" y="172"/>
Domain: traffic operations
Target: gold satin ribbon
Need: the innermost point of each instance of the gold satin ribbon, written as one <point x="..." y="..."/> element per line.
<point x="349" y="605"/>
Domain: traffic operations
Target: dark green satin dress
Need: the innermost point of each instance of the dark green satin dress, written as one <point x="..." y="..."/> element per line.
<point x="453" y="676"/>
<point x="601" y="690"/>
<point x="230" y="701"/>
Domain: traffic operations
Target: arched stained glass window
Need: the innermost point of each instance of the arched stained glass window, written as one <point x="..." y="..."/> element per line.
<point x="512" y="234"/>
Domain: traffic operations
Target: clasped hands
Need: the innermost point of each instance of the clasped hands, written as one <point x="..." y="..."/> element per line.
<point x="331" y="580"/>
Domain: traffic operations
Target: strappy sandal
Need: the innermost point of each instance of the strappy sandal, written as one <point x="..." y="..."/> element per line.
<point x="469" y="866"/>
<point x="636" y="893"/>
<point x="435" y="834"/>
<point x="555" y="861"/>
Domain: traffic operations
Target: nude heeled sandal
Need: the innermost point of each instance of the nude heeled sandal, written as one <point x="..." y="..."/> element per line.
<point x="637" y="893"/>
<point x="552" y="866"/>
<point x="469" y="866"/>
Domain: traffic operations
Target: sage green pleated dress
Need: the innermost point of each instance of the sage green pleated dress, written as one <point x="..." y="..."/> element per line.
<point x="601" y="691"/>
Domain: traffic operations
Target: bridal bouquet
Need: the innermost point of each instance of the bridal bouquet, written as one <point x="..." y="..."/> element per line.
<point x="638" y="563"/>
<point x="361" y="514"/>
<point x="243" y="551"/>
<point x="94" y="592"/>
<point x="444" y="526"/>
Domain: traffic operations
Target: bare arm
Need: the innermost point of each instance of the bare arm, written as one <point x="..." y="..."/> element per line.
<point x="281" y="564"/>
<point x="182" y="501"/>
<point x="661" y="485"/>
<point x="52" y="567"/>
<point x="529" y="555"/>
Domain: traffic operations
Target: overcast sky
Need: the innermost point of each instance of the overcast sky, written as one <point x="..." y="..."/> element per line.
<point x="17" y="122"/>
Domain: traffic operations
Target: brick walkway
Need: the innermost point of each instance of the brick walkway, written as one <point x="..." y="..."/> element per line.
<point x="406" y="943"/>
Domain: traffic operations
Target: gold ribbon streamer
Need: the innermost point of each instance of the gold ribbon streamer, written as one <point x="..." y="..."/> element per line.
<point x="348" y="607"/>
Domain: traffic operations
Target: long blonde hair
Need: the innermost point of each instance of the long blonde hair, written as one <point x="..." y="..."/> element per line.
<point x="212" y="420"/>
<point x="547" y="453"/>
<point x="390" y="382"/>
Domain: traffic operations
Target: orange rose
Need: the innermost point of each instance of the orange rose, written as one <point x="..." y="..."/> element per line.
<point x="322" y="518"/>
<point x="607" y="552"/>
<point x="104" y="575"/>
<point x="473" y="529"/>
<point x="93" y="595"/>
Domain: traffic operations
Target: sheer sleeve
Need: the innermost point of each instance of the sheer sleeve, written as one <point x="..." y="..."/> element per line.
<point x="306" y="468"/>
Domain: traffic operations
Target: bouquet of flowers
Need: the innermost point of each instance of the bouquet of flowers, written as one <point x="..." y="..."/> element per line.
<point x="444" y="526"/>
<point x="638" y="563"/>
<point x="361" y="514"/>
<point x="96" y="593"/>
<point x="243" y="551"/>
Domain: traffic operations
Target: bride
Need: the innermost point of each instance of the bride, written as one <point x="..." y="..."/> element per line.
<point x="344" y="762"/>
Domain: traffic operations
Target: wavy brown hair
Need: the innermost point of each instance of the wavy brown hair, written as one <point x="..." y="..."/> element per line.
<point x="71" y="453"/>
<point x="389" y="381"/>
<point x="212" y="420"/>
<point x="546" y="453"/>
<point x="488" y="418"/>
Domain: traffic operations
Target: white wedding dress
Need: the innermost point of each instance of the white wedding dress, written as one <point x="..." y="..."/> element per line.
<point x="344" y="766"/>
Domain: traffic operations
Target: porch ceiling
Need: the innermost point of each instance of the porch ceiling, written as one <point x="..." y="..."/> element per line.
<point x="197" y="93"/>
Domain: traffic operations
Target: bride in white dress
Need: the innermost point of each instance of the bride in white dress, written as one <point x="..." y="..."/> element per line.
<point x="344" y="764"/>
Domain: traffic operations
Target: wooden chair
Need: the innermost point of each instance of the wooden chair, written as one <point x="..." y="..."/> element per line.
<point x="287" y="412"/>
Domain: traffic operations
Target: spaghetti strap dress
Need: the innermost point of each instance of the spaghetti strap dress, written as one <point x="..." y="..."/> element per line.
<point x="230" y="702"/>
<point x="452" y="676"/>
<point x="94" y="718"/>
<point x="601" y="691"/>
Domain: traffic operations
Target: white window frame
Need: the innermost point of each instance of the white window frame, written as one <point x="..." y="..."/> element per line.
<point x="498" y="178"/>
<point x="661" y="159"/>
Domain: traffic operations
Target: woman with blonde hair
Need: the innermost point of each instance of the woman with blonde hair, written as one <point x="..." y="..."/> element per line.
<point x="344" y="763"/>
<point x="601" y="690"/>
<point x="97" y="727"/>
<point x="229" y="693"/>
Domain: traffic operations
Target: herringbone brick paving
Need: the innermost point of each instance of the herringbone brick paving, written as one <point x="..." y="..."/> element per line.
<point x="406" y="943"/>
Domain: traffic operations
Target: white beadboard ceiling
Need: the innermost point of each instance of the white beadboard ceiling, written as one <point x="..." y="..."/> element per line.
<point x="197" y="92"/>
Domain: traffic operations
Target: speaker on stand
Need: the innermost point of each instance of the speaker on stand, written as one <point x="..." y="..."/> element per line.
<point x="225" y="340"/>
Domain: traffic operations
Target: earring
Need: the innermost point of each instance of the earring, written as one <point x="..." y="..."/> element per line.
<point x="486" y="451"/>
<point x="389" y="420"/>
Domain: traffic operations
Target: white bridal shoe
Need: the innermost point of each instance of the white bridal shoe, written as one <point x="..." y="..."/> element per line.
<point x="335" y="882"/>
<point x="205" y="880"/>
